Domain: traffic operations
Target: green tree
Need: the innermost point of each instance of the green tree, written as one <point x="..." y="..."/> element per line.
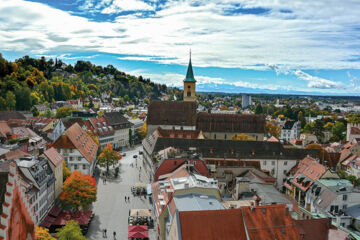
<point x="130" y="136"/>
<point x="23" y="99"/>
<point x="48" y="113"/>
<point x="258" y="109"/>
<point x="2" y="104"/>
<point x="10" y="100"/>
<point x="338" y="130"/>
<point x="71" y="231"/>
<point x="63" y="112"/>
<point x="301" y="118"/>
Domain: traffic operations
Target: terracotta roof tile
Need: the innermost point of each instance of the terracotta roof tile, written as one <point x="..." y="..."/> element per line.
<point x="14" y="154"/>
<point x="5" y="130"/>
<point x="76" y="137"/>
<point x="310" y="229"/>
<point x="54" y="156"/>
<point x="195" y="225"/>
<point x="355" y="131"/>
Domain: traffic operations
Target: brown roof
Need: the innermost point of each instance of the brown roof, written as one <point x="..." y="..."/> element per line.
<point x="355" y="131"/>
<point x="270" y="222"/>
<point x="171" y="113"/>
<point x="14" y="154"/>
<point x="6" y="115"/>
<point x="310" y="229"/>
<point x="100" y="126"/>
<point x="195" y="225"/>
<point x="239" y="123"/>
<point x="76" y="137"/>
<point x="4" y="129"/>
<point x="171" y="133"/>
<point x="54" y="156"/>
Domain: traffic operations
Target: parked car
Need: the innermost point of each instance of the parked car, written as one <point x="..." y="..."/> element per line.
<point x="140" y="152"/>
<point x="123" y="154"/>
<point x="135" y="156"/>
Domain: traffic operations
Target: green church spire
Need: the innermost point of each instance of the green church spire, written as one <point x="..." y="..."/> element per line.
<point x="190" y="72"/>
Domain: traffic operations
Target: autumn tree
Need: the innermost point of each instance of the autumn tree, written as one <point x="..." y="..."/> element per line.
<point x="10" y="100"/>
<point x="63" y="112"/>
<point x="71" y="231"/>
<point x="108" y="157"/>
<point x="242" y="137"/>
<point x="43" y="234"/>
<point x="66" y="171"/>
<point x="273" y="129"/>
<point x="324" y="155"/>
<point x="79" y="190"/>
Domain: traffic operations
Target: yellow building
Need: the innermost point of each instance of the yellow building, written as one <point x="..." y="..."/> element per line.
<point x="55" y="160"/>
<point x="189" y="84"/>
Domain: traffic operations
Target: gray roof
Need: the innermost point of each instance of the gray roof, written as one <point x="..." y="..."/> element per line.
<point x="354" y="211"/>
<point x="269" y="194"/>
<point x="115" y="118"/>
<point x="228" y="148"/>
<point x="6" y="115"/>
<point x="195" y="202"/>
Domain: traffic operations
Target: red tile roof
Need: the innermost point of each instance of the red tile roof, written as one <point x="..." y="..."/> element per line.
<point x="169" y="165"/>
<point x="76" y="137"/>
<point x="4" y="129"/>
<point x="267" y="222"/>
<point x="273" y="139"/>
<point x="54" y="156"/>
<point x="355" y="131"/>
<point x="270" y="222"/>
<point x="213" y="224"/>
<point x="311" y="169"/>
<point x="100" y="126"/>
<point x="14" y="154"/>
<point x="310" y="229"/>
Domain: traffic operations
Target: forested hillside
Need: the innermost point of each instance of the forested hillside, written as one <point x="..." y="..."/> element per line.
<point x="29" y="81"/>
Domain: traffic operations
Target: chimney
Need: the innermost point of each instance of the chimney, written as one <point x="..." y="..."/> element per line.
<point x="286" y="211"/>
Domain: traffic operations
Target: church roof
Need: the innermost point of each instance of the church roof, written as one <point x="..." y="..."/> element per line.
<point x="190" y="73"/>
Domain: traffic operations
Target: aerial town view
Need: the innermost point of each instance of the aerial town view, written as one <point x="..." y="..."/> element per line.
<point x="179" y="120"/>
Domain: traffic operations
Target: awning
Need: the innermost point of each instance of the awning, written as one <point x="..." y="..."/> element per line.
<point x="138" y="235"/>
<point x="55" y="211"/>
<point x="138" y="228"/>
<point x="148" y="189"/>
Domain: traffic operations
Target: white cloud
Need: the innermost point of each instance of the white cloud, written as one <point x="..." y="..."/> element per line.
<point x="308" y="35"/>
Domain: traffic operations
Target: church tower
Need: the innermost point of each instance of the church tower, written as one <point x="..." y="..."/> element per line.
<point x="189" y="84"/>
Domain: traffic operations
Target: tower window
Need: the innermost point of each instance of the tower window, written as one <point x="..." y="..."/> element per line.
<point x="189" y="86"/>
<point x="189" y="94"/>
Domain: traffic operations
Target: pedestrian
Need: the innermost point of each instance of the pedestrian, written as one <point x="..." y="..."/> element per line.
<point x="105" y="180"/>
<point x="128" y="199"/>
<point x="104" y="235"/>
<point x="114" y="235"/>
<point x="125" y="198"/>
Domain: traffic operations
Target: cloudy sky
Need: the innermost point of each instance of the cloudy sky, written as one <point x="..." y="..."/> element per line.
<point x="272" y="46"/>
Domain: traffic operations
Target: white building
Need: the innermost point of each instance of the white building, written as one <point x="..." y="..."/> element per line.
<point x="246" y="101"/>
<point x="290" y="130"/>
<point x="121" y="126"/>
<point x="78" y="149"/>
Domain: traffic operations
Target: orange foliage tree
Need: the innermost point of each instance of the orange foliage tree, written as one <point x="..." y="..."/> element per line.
<point x="79" y="190"/>
<point x="108" y="157"/>
<point x="273" y="129"/>
<point x="242" y="137"/>
<point x="43" y="234"/>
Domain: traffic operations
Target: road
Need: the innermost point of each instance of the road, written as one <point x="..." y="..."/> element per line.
<point x="111" y="210"/>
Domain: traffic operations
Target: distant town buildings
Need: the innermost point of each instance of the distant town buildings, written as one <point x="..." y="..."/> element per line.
<point x="246" y="101"/>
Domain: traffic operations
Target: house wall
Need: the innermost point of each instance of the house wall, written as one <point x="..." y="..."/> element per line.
<point x="174" y="230"/>
<point x="121" y="138"/>
<point x="151" y="128"/>
<point x="58" y="172"/>
<point x="350" y="137"/>
<point x="229" y="135"/>
<point x="288" y="134"/>
<point x="75" y="161"/>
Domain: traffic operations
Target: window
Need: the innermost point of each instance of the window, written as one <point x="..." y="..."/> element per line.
<point x="285" y="163"/>
<point x="344" y="207"/>
<point x="189" y="94"/>
<point x="71" y="158"/>
<point x="273" y="163"/>
<point x="264" y="163"/>
<point x="284" y="172"/>
<point x="344" y="197"/>
<point x="79" y="158"/>
<point x="84" y="166"/>
<point x="214" y="136"/>
<point x="225" y="136"/>
<point x="75" y="166"/>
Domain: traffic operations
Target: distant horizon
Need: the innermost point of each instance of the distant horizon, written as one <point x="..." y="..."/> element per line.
<point x="277" y="47"/>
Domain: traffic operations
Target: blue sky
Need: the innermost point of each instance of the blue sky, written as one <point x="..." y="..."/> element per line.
<point x="270" y="46"/>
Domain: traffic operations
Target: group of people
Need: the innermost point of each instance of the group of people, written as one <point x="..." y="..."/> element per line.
<point x="127" y="199"/>
<point x="105" y="234"/>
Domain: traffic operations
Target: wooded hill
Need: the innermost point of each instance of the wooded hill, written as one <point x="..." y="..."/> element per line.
<point x="28" y="81"/>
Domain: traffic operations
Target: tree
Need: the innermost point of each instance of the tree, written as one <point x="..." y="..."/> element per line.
<point x="63" y="112"/>
<point x="79" y="190"/>
<point x="2" y="104"/>
<point x="130" y="136"/>
<point x="328" y="126"/>
<point x="242" y="137"/>
<point x="10" y="100"/>
<point x="48" y="113"/>
<point x="108" y="157"/>
<point x="258" y="109"/>
<point x="273" y="129"/>
<point x="43" y="234"/>
<point x="301" y="118"/>
<point x="71" y="231"/>
<point x="23" y="99"/>
<point x="324" y="155"/>
<point x="338" y="130"/>
<point x="66" y="171"/>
